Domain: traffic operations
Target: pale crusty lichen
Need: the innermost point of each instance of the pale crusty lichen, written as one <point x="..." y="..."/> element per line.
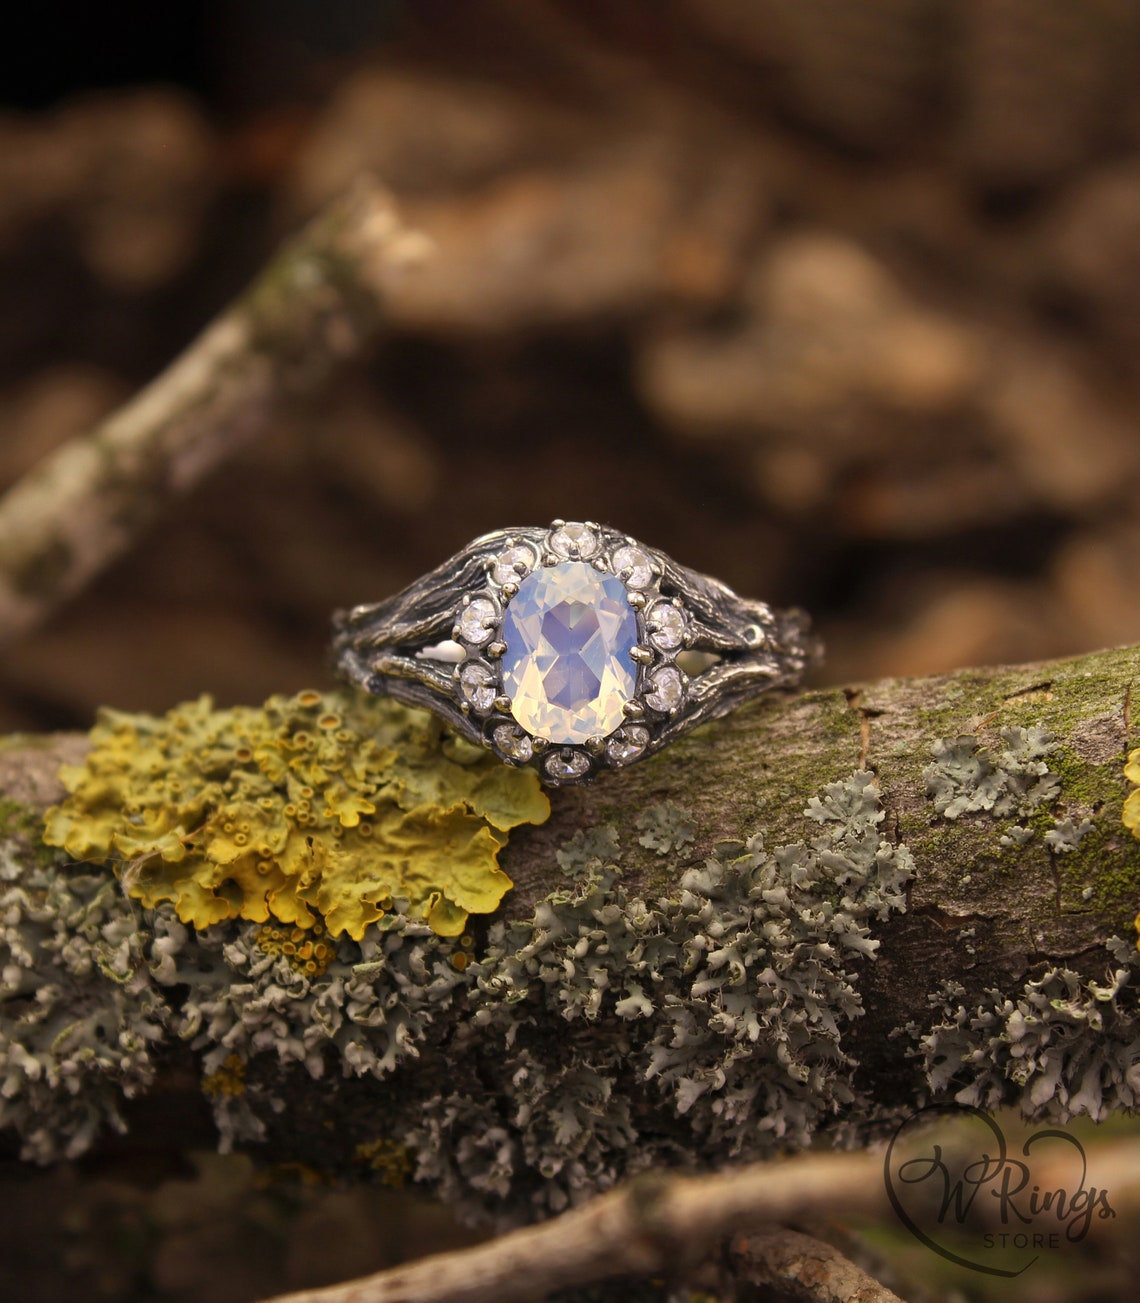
<point x="1066" y="835"/>
<point x="725" y="1002"/>
<point x="1017" y="784"/>
<point x="371" y="1007"/>
<point x="80" y="1015"/>
<point x="966" y="777"/>
<point x="664" y="828"/>
<point x="587" y="845"/>
<point x="318" y="807"/>
<point x="1131" y="811"/>
<point x="521" y="1065"/>
<point x="1063" y="1046"/>
<point x="250" y="846"/>
<point x="526" y="1064"/>
<point x="94" y="986"/>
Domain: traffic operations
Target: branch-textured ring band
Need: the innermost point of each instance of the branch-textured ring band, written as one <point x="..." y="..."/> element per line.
<point x="574" y="648"/>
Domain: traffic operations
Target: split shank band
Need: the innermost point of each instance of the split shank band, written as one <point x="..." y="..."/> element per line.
<point x="571" y="647"/>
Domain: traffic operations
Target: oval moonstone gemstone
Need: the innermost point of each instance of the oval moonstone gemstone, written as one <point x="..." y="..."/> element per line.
<point x="569" y="631"/>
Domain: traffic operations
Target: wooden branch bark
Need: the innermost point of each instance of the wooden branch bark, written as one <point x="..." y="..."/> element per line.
<point x="665" y="1225"/>
<point x="992" y="976"/>
<point x="652" y="1225"/>
<point x="317" y="302"/>
<point x="801" y="1268"/>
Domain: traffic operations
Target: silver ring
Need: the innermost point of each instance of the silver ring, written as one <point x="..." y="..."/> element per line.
<point x="573" y="648"/>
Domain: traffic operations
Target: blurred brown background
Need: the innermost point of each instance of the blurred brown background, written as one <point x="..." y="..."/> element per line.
<point x="837" y="300"/>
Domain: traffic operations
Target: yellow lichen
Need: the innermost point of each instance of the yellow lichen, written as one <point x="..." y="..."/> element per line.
<point x="302" y="948"/>
<point x="388" y="1158"/>
<point x="315" y="807"/>
<point x="280" y="1174"/>
<point x="1132" y="809"/>
<point x="226" y="1081"/>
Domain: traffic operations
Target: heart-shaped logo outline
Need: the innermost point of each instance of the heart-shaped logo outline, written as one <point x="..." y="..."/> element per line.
<point x="981" y="1172"/>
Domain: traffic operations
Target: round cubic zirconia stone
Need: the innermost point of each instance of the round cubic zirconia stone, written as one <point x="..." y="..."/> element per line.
<point x="567" y="669"/>
<point x="566" y="764"/>
<point x="574" y="540"/>
<point x="513" y="742"/>
<point x="633" y="566"/>
<point x="627" y="744"/>
<point x="510" y="567"/>
<point x="666" y="626"/>
<point x="667" y="689"/>
<point x="477" y="683"/>
<point x="476" y="620"/>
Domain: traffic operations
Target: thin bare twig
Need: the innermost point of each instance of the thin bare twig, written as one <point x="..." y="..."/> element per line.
<point x="653" y="1224"/>
<point x="803" y="1268"/>
<point x="660" y="1224"/>
<point x="317" y="302"/>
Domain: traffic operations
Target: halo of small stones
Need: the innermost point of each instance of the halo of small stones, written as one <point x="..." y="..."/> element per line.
<point x="662" y="631"/>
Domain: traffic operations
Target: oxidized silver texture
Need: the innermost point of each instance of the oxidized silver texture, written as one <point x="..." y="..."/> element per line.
<point x="437" y="645"/>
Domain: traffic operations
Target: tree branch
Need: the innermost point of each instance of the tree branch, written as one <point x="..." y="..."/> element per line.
<point x="652" y="1225"/>
<point x="735" y="948"/>
<point x="800" y="1267"/>
<point x="666" y="1225"/>
<point x="316" y="303"/>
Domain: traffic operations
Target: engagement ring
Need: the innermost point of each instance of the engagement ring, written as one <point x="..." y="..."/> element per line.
<point x="574" y="648"/>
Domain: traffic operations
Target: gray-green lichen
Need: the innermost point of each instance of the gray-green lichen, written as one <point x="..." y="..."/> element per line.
<point x="367" y="1012"/>
<point x="725" y="1006"/>
<point x="586" y="846"/>
<point x="556" y="1054"/>
<point x="87" y="978"/>
<point x="966" y="777"/>
<point x="724" y="1002"/>
<point x="1066" y="836"/>
<point x="80" y="1014"/>
<point x="1029" y="793"/>
<point x="1065" y="1045"/>
<point x="664" y="828"/>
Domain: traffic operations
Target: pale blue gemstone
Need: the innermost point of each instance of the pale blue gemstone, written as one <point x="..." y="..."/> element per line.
<point x="568" y="671"/>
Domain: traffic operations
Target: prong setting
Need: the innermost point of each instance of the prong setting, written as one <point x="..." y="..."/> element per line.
<point x="645" y="715"/>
